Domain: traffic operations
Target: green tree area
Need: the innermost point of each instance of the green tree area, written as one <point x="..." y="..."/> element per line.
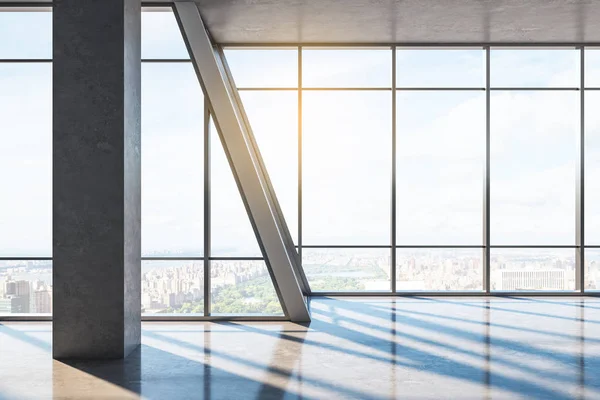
<point x="257" y="296"/>
<point x="325" y="277"/>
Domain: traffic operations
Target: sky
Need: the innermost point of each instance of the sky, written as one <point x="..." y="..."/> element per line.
<point x="346" y="137"/>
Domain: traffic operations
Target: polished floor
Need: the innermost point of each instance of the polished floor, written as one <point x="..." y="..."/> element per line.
<point x="369" y="348"/>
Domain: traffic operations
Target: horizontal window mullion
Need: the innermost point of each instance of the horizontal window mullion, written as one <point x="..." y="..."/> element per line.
<point x="190" y="258"/>
<point x="440" y="246"/>
<point x="349" y="246"/>
<point x="433" y="89"/>
<point x="24" y="60"/>
<point x="270" y="89"/>
<point x="534" y="246"/>
<point x="166" y="60"/>
<point x="543" y="89"/>
<point x="347" y="88"/>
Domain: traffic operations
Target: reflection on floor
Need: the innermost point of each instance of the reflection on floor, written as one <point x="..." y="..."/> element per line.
<point x="373" y="348"/>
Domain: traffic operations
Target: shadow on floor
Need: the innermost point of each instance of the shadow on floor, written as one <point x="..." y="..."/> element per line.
<point x="154" y="374"/>
<point x="158" y="374"/>
<point x="380" y="335"/>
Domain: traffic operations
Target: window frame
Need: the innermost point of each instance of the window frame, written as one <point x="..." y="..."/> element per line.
<point x="580" y="246"/>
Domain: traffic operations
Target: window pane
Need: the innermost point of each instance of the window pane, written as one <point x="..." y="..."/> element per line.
<point x="26" y="35"/>
<point x="231" y="231"/>
<point x="173" y="287"/>
<point x="26" y="160"/>
<point x="242" y="287"/>
<point x="532" y="269"/>
<point x="346" y="68"/>
<point x="346" y="167"/>
<point x="440" y="164"/>
<point x="347" y="270"/>
<point x="533" y="139"/>
<point x="592" y="168"/>
<point x="274" y="119"/>
<point x="172" y="161"/>
<point x="440" y="68"/>
<point x="527" y="67"/>
<point x="439" y="269"/>
<point x="25" y="287"/>
<point x="263" y="68"/>
<point x="592" y="67"/>
<point x="592" y="269"/>
<point x="161" y="37"/>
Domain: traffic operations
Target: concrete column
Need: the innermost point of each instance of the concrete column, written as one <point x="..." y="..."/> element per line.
<point x="96" y="178"/>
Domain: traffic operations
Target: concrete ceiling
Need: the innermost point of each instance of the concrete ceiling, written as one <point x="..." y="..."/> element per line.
<point x="402" y="21"/>
<point x="396" y="21"/>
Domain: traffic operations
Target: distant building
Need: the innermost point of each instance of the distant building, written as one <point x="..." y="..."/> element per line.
<point x="176" y="299"/>
<point x="10" y="288"/>
<point x="146" y="300"/>
<point x="43" y="301"/>
<point x="547" y="279"/>
<point x="23" y="288"/>
<point x="17" y="288"/>
<point x="19" y="294"/>
<point x="15" y="305"/>
<point x="5" y="306"/>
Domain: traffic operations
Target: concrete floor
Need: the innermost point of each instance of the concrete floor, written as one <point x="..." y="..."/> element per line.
<point x="369" y="348"/>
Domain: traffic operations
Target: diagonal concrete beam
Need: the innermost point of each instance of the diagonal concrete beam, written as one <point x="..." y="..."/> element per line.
<point x="298" y="270"/>
<point x="246" y="162"/>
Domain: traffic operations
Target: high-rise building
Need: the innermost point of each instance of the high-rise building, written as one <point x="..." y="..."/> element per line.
<point x="23" y="288"/>
<point x="548" y="279"/>
<point x="19" y="294"/>
<point x="17" y="288"/>
<point x="19" y="304"/>
<point x="43" y="301"/>
<point x="10" y="288"/>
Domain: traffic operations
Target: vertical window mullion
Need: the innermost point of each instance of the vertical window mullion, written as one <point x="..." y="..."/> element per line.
<point x="393" y="192"/>
<point x="486" y="194"/>
<point x="300" y="157"/>
<point x="207" y="211"/>
<point x="580" y="214"/>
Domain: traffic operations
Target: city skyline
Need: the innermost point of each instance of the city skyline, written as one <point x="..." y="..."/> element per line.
<point x="244" y="286"/>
